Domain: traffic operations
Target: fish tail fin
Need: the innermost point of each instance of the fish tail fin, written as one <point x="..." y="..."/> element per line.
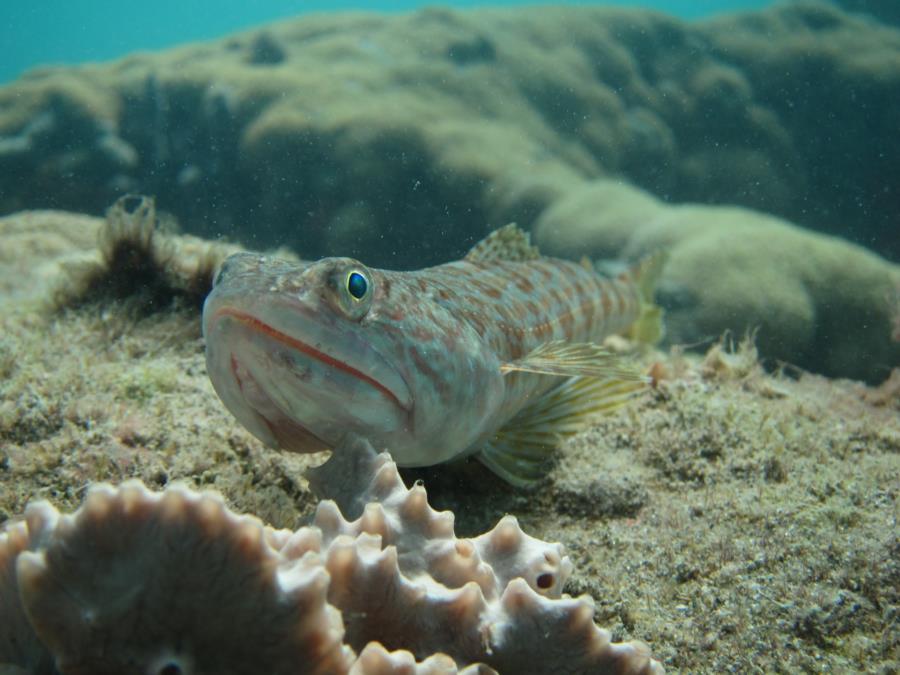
<point x="645" y="274"/>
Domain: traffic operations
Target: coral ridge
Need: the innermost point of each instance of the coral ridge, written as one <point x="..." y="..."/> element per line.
<point x="174" y="582"/>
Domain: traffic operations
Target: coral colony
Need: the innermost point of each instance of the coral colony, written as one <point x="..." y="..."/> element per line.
<point x="173" y="582"/>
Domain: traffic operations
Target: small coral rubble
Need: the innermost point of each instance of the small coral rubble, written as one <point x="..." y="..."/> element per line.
<point x="173" y="582"/>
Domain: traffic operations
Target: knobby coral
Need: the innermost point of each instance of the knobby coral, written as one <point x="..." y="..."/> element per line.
<point x="173" y="582"/>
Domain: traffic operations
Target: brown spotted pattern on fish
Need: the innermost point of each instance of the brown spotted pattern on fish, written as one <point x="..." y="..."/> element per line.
<point x="426" y="364"/>
<point x="567" y="303"/>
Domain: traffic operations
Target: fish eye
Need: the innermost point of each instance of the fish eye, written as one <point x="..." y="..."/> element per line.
<point x="357" y="285"/>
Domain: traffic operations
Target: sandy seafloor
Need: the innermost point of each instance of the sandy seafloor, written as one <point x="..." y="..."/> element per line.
<point x="734" y="520"/>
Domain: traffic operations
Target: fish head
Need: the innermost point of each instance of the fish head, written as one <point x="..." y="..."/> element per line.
<point x="303" y="353"/>
<point x="287" y="354"/>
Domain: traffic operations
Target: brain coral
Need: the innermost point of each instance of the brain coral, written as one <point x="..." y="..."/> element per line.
<point x="815" y="301"/>
<point x="173" y="582"/>
<point x="345" y="133"/>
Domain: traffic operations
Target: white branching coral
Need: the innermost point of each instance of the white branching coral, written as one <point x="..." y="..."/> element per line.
<point x="20" y="649"/>
<point x="172" y="582"/>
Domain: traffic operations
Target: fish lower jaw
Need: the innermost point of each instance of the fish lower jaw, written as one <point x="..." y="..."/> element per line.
<point x="264" y="418"/>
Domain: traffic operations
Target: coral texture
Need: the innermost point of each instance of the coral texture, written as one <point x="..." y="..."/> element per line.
<point x="168" y="582"/>
<point x="344" y="133"/>
<point x="887" y="11"/>
<point x="815" y="301"/>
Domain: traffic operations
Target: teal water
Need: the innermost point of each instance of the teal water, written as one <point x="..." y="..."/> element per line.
<point x="61" y="31"/>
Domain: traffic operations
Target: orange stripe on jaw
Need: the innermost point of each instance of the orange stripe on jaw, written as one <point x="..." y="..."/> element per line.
<point x="255" y="324"/>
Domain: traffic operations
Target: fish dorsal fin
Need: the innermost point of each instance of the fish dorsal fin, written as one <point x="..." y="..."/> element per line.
<point x="572" y="359"/>
<point x="507" y="243"/>
<point x="519" y="452"/>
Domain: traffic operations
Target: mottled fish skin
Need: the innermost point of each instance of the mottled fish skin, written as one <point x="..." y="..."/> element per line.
<point x="418" y="369"/>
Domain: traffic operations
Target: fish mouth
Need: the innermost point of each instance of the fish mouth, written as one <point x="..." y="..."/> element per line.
<point x="298" y="379"/>
<point x="285" y="431"/>
<point x="397" y="391"/>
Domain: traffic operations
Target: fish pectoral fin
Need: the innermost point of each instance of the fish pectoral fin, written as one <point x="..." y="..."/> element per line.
<point x="511" y="462"/>
<point x="573" y="359"/>
<point x="519" y="452"/>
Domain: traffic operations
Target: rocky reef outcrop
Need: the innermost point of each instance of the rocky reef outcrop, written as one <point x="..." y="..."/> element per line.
<point x="347" y="133"/>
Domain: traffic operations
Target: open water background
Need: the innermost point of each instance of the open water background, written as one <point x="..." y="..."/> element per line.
<point x="35" y="33"/>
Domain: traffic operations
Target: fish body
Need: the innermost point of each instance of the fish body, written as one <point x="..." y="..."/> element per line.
<point x="430" y="364"/>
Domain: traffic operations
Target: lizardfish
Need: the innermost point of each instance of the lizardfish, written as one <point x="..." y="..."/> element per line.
<point x="495" y="355"/>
